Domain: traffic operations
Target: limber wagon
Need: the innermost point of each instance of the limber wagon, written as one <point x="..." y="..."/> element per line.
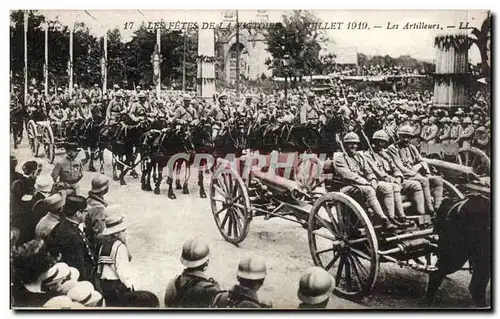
<point x="47" y="134"/>
<point x="342" y="238"/>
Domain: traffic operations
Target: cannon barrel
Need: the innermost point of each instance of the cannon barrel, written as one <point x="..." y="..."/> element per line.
<point x="278" y="183"/>
<point x="465" y="172"/>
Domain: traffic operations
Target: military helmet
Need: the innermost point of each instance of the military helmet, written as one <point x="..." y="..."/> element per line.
<point x="315" y="286"/>
<point x="432" y="119"/>
<point x="56" y="102"/>
<point x="351" y="137"/>
<point x="476" y="122"/>
<point x="481" y="129"/>
<point x="414" y="118"/>
<point x="116" y="86"/>
<point x="252" y="268"/>
<point x="194" y="253"/>
<point x="445" y="120"/>
<point x="455" y="120"/>
<point x="35" y="91"/>
<point x="381" y="135"/>
<point x="119" y="94"/>
<point x="405" y="130"/>
<point x="390" y="117"/>
<point x="142" y="95"/>
<point x="467" y="120"/>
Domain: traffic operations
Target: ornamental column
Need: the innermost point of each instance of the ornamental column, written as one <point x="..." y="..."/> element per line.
<point x="206" y="63"/>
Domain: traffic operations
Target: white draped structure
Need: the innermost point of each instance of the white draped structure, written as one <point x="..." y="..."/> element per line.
<point x="206" y="66"/>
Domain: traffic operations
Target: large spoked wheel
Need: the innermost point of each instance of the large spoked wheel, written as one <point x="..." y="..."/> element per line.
<point x="33" y="138"/>
<point x="230" y="204"/>
<point x="308" y="172"/>
<point x="48" y="143"/>
<point x="475" y="159"/>
<point x="451" y="191"/>
<point x="343" y="242"/>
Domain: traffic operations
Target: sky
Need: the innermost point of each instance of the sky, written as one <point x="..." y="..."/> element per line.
<point x="417" y="43"/>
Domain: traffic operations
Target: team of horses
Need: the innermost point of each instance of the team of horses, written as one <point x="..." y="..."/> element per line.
<point x="463" y="225"/>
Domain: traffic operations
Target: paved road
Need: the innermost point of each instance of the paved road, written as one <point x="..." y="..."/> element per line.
<point x="159" y="226"/>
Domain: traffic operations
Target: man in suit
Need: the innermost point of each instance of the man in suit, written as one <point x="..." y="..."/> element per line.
<point x="96" y="218"/>
<point x="68" y="239"/>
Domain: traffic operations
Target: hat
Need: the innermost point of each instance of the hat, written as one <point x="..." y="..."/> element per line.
<point x="222" y="95"/>
<point x="195" y="253"/>
<point x="455" y="120"/>
<point x="253" y="268"/>
<point x="59" y="89"/>
<point x="414" y="118"/>
<point x="405" y="130"/>
<point x="55" y="201"/>
<point x="467" y="120"/>
<point x="459" y="112"/>
<point x="29" y="167"/>
<point x="84" y="293"/>
<point x="44" y="184"/>
<point x="55" y="274"/>
<point x="59" y="302"/>
<point x="96" y="85"/>
<point x="119" y="94"/>
<point x="445" y="120"/>
<point x="56" y="102"/>
<point x="481" y="129"/>
<point x="114" y="224"/>
<point x="141" y="95"/>
<point x="381" y="135"/>
<point x="71" y="146"/>
<point x="351" y="137"/>
<point x="116" y="86"/>
<point x="186" y="97"/>
<point x="75" y="203"/>
<point x="99" y="183"/>
<point x="315" y="286"/>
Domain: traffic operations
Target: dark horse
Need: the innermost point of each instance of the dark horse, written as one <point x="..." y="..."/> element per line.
<point x="17" y="118"/>
<point x="464" y="229"/>
<point x="122" y="141"/>
<point x="157" y="148"/>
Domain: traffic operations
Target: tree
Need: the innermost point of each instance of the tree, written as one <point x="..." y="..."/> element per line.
<point x="297" y="37"/>
<point x="483" y="40"/>
<point x="327" y="64"/>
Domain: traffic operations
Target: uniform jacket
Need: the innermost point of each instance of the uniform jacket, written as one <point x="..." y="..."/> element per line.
<point x="382" y="165"/>
<point x="191" y="289"/>
<point x="417" y="129"/>
<point x="45" y="226"/>
<point x="444" y="136"/>
<point x="466" y="135"/>
<point x="68" y="170"/>
<point x="431" y="133"/>
<point x="455" y="131"/>
<point x="405" y="158"/>
<point x="353" y="169"/>
<point x="95" y="221"/>
<point x="74" y="247"/>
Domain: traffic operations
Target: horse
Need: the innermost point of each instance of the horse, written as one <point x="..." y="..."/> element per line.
<point x="17" y="118"/>
<point x="121" y="140"/>
<point x="464" y="230"/>
<point x="157" y="148"/>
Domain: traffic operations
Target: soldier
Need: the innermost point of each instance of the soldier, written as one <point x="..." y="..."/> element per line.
<point x="315" y="287"/>
<point x="409" y="161"/>
<point x="466" y="134"/>
<point x="73" y="111"/>
<point x="58" y="116"/>
<point x="415" y="124"/>
<point x="424" y="130"/>
<point x="193" y="288"/>
<point x="140" y="109"/>
<point x="385" y="169"/>
<point x="251" y="275"/>
<point x="84" y="109"/>
<point x="185" y="112"/>
<point x="431" y="131"/>
<point x="116" y="107"/>
<point x="116" y="89"/>
<point x="455" y="130"/>
<point x="69" y="170"/>
<point x="352" y="167"/>
<point x="481" y="139"/>
<point x="444" y="132"/>
<point x="390" y="126"/>
<point x="96" y="218"/>
<point x="95" y="94"/>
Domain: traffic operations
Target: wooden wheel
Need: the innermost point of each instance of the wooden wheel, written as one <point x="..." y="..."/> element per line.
<point x="475" y="159"/>
<point x="230" y="204"/>
<point x="48" y="143"/>
<point x="343" y="242"/>
<point x="450" y="191"/>
<point x="33" y="138"/>
<point x="308" y="171"/>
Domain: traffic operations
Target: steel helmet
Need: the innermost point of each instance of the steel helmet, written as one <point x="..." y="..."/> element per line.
<point x="467" y="120"/>
<point x="315" y="286"/>
<point x="432" y="119"/>
<point x="55" y="102"/>
<point x="142" y="95"/>
<point x="96" y="85"/>
<point x="31" y="88"/>
<point x="445" y="120"/>
<point x="414" y="118"/>
<point x="72" y="103"/>
<point x="405" y="130"/>
<point x="351" y="137"/>
<point x="455" y="120"/>
<point x="194" y="253"/>
<point x="116" y="86"/>
<point x="119" y="94"/>
<point x="381" y="135"/>
<point x="59" y="89"/>
<point x="425" y="121"/>
<point x="390" y="117"/>
<point x="253" y="268"/>
<point x="481" y="129"/>
<point x="35" y="91"/>
<point x="83" y="101"/>
<point x="476" y="122"/>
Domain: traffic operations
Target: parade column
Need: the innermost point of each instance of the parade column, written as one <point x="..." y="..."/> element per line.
<point x="452" y="77"/>
<point x="206" y="58"/>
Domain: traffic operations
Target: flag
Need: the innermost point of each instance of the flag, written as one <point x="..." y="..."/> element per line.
<point x="26" y="21"/>
<point x="155" y="57"/>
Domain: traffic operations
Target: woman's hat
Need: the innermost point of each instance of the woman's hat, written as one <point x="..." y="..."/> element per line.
<point x="114" y="224"/>
<point x="84" y="293"/>
<point x="44" y="184"/>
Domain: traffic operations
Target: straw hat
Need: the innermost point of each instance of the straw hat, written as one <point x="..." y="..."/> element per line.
<point x="114" y="224"/>
<point x="84" y="293"/>
<point x="55" y="274"/>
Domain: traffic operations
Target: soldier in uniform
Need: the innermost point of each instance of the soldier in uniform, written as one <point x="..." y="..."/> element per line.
<point x="140" y="109"/>
<point x="465" y="137"/>
<point x="415" y="124"/>
<point x="424" y="130"/>
<point x="481" y="139"/>
<point x="444" y="132"/>
<point x="455" y="130"/>
<point x="251" y="275"/>
<point x="390" y="126"/>
<point x="409" y="161"/>
<point x="353" y="168"/>
<point x="116" y="89"/>
<point x="95" y="94"/>
<point x="96" y="218"/>
<point x="84" y="109"/>
<point x="58" y="116"/>
<point x="192" y="288"/>
<point x="69" y="170"/>
<point x="315" y="287"/>
<point x="431" y="131"/>
<point x="115" y="108"/>
<point x="73" y="112"/>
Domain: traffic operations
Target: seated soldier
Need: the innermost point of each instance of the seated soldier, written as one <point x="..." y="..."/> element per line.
<point x="352" y="168"/>
<point x="140" y="109"/>
<point x="58" y="116"/>
<point x="409" y="161"/>
<point x="384" y="168"/>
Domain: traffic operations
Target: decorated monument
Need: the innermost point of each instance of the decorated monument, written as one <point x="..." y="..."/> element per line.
<point x="206" y="63"/>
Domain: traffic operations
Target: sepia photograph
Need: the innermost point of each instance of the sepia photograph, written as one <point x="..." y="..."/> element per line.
<point x="275" y="159"/>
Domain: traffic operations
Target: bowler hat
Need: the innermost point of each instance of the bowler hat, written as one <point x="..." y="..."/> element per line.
<point x="75" y="203"/>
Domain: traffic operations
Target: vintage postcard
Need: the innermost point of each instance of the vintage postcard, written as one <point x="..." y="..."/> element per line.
<point x="269" y="159"/>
